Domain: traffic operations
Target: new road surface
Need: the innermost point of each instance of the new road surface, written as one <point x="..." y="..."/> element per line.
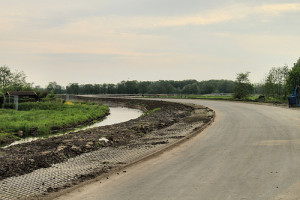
<point x="251" y="152"/>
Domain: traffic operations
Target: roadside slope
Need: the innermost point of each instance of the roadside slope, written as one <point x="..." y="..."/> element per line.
<point x="250" y="152"/>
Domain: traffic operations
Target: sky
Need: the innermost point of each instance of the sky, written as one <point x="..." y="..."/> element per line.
<point x="100" y="41"/>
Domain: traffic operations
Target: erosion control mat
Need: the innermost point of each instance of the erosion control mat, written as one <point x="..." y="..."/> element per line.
<point x="48" y="165"/>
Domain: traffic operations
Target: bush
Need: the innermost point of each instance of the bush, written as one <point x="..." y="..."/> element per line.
<point x="293" y="78"/>
<point x="9" y="105"/>
<point x="242" y="87"/>
<point x="151" y="111"/>
<point x="1" y="99"/>
<point x="51" y="95"/>
<point x="42" y="94"/>
<point x="21" y="100"/>
<point x="41" y="106"/>
<point x="242" y="90"/>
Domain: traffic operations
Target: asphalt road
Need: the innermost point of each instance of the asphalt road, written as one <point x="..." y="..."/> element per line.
<point x="250" y="152"/>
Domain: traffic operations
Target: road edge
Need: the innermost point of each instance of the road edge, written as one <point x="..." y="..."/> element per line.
<point x="195" y="132"/>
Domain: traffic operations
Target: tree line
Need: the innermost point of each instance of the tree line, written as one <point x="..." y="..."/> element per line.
<point x="278" y="83"/>
<point x="152" y="87"/>
<point x="16" y="81"/>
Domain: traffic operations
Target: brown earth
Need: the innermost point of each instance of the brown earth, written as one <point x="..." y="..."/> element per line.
<point x="24" y="158"/>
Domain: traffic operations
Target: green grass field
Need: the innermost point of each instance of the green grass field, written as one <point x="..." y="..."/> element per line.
<point x="42" y="117"/>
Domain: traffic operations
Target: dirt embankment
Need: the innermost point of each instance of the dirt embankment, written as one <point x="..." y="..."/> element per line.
<point x="24" y="158"/>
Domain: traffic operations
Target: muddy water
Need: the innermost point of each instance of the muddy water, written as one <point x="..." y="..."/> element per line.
<point x="117" y="115"/>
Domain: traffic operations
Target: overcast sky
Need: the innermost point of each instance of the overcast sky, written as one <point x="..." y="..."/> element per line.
<point x="107" y="41"/>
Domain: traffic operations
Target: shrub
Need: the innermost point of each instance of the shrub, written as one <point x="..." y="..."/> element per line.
<point x="51" y="95"/>
<point x="8" y="106"/>
<point x="151" y="111"/>
<point x="242" y="87"/>
<point x="21" y="100"/>
<point x="41" y="106"/>
<point x="1" y="99"/>
<point x="42" y="94"/>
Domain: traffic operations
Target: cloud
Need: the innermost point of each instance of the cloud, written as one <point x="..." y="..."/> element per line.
<point x="120" y="35"/>
<point x="226" y="14"/>
<point x="263" y="44"/>
<point x="277" y="9"/>
<point x="212" y="37"/>
<point x="6" y="25"/>
<point x="96" y="24"/>
<point x="236" y="11"/>
<point x="146" y="22"/>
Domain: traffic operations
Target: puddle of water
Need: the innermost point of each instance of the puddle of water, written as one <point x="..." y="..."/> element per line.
<point x="117" y="115"/>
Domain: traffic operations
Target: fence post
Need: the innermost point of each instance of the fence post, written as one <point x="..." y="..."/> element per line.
<point x="16" y="101"/>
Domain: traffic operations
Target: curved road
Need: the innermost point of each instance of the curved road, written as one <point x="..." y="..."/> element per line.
<point x="250" y="152"/>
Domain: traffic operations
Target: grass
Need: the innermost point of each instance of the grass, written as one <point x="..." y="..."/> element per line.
<point x="43" y="117"/>
<point x="149" y="112"/>
<point x="7" y="137"/>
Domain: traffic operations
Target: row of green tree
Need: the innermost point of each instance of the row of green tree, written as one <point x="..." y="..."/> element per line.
<point x="281" y="81"/>
<point x="149" y="87"/>
<point x="278" y="83"/>
<point x="16" y="81"/>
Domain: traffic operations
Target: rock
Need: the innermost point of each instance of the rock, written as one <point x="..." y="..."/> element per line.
<point x="104" y="142"/>
<point x="75" y="148"/>
<point x="45" y="152"/>
<point x="103" y="139"/>
<point x="89" y="145"/>
<point x="60" y="148"/>
<point x="162" y="125"/>
<point x="20" y="133"/>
